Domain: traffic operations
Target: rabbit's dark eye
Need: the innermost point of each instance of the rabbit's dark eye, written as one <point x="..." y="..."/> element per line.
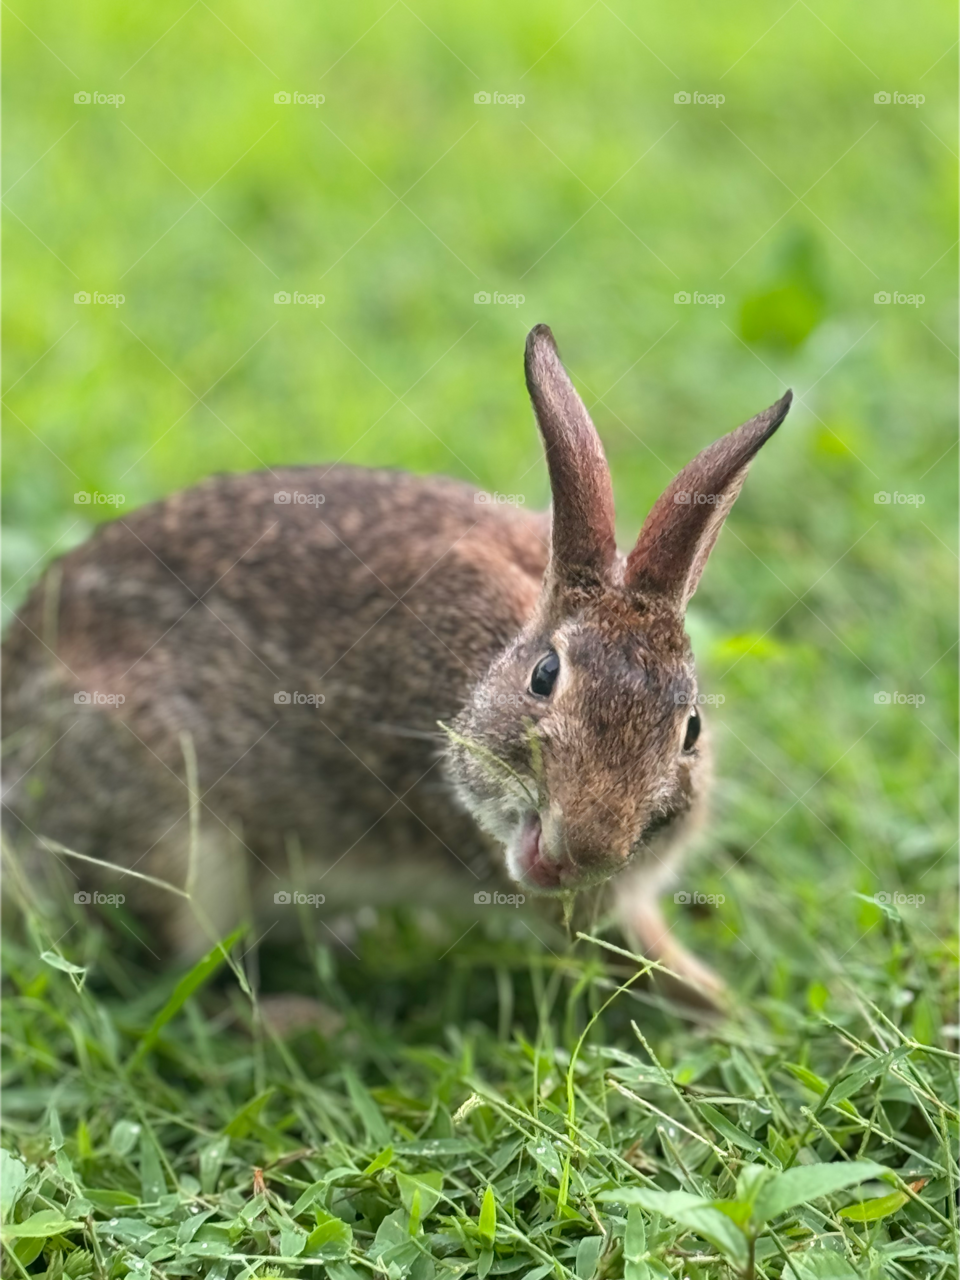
<point x="693" y="730"/>
<point x="545" y="675"/>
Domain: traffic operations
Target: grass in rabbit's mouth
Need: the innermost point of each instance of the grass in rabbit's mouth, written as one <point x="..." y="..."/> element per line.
<point x="486" y="1106"/>
<point x="491" y="762"/>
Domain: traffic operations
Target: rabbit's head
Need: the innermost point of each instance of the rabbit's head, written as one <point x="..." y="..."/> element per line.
<point x="583" y="746"/>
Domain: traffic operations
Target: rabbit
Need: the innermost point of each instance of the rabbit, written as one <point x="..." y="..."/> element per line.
<point x="385" y="687"/>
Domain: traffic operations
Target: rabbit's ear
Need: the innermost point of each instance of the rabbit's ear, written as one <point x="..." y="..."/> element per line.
<point x="686" y="520"/>
<point x="583" y="546"/>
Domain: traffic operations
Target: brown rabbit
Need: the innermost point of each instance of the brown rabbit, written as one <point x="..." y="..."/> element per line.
<point x="300" y="633"/>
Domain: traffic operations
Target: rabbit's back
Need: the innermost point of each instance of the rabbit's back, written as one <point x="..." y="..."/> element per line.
<point x="300" y="630"/>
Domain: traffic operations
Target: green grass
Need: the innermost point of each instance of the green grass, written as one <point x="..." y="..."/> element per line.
<point x="536" y="1105"/>
<point x="816" y="599"/>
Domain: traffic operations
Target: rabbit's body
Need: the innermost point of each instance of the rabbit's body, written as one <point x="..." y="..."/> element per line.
<point x="299" y="634"/>
<point x="373" y="610"/>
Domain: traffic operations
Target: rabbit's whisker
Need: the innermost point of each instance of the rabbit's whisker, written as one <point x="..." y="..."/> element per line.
<point x="400" y="731"/>
<point x="536" y="761"/>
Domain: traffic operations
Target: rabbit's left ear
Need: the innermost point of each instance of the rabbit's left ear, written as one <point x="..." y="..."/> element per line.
<point x="582" y="543"/>
<point x="679" y="533"/>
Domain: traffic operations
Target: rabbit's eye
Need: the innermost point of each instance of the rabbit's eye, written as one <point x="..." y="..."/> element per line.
<point x="545" y="675"/>
<point x="693" y="730"/>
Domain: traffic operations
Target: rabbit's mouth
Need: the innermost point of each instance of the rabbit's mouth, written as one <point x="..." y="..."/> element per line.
<point x="530" y="862"/>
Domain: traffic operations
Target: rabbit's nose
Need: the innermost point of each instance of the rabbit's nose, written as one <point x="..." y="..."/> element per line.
<point x="568" y="845"/>
<point x="579" y="845"/>
<point x="554" y="851"/>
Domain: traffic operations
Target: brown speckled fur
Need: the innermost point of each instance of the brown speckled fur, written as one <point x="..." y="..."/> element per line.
<point x="402" y="601"/>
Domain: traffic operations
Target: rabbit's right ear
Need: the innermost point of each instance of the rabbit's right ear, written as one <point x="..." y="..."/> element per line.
<point x="686" y="520"/>
<point x="582" y="542"/>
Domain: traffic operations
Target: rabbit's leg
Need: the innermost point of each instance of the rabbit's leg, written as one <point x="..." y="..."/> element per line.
<point x="638" y="911"/>
<point x="212" y="872"/>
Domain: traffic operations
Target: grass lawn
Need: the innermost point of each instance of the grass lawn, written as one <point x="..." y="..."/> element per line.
<point x="496" y="1100"/>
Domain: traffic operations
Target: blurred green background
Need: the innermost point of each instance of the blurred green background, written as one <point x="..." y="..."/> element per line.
<point x="597" y="199"/>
